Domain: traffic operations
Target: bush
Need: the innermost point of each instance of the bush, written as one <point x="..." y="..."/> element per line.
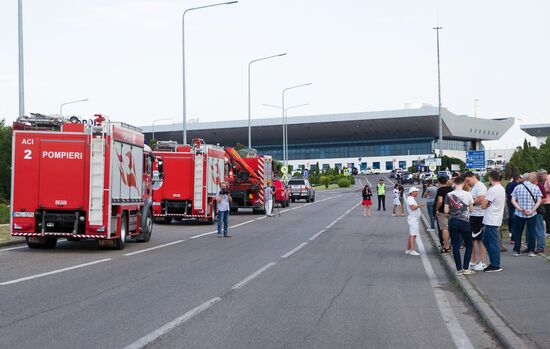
<point x="324" y="181"/>
<point x="4" y="214"/>
<point x="351" y="180"/>
<point x="344" y="183"/>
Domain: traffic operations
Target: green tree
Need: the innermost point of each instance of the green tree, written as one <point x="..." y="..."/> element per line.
<point x="447" y="161"/>
<point x="528" y="158"/>
<point x="544" y="155"/>
<point x="5" y="161"/>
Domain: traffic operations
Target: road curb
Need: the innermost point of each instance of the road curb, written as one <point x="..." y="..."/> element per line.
<point x="11" y="242"/>
<point x="508" y="336"/>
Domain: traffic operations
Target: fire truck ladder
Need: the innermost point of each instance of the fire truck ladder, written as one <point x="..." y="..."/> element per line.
<point x="198" y="182"/>
<point x="97" y="173"/>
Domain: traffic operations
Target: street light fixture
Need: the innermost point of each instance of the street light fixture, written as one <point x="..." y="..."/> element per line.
<point x="166" y="119"/>
<point x="439" y="95"/>
<point x="71" y="102"/>
<point x="183" y="59"/>
<point x="285" y="128"/>
<point x="249" y="112"/>
<point x="20" y="48"/>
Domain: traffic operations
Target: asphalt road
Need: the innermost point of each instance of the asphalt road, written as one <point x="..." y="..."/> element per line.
<point x="319" y="276"/>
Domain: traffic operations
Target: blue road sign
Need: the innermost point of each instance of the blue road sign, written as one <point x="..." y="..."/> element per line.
<point x="305" y="173"/>
<point x="475" y="159"/>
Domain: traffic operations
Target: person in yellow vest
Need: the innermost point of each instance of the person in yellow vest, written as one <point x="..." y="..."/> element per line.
<point x="381" y="192"/>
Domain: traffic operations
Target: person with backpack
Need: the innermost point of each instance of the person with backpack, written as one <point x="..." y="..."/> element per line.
<point x="458" y="205"/>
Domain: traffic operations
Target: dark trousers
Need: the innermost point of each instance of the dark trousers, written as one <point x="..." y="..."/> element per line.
<point x="547" y="218"/>
<point x="459" y="229"/>
<point x="382" y="202"/>
<point x="511" y="220"/>
<point x="519" y="224"/>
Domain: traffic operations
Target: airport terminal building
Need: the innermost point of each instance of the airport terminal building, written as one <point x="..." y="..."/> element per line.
<point x="379" y="139"/>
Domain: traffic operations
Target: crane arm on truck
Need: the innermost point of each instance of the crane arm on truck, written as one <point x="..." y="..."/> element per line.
<point x="234" y="157"/>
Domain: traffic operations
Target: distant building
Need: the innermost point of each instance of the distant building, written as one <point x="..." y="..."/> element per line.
<point x="540" y="131"/>
<point x="380" y="139"/>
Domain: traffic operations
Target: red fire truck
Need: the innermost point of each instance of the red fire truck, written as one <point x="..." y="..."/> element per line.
<point x="188" y="180"/>
<point x="249" y="172"/>
<point x="80" y="181"/>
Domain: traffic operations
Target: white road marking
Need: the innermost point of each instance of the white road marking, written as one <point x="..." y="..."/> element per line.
<point x="252" y="276"/>
<point x="153" y="248"/>
<point x="149" y="338"/>
<point x="203" y="234"/>
<point x="316" y="235"/>
<point x="389" y="180"/>
<point x="12" y="248"/>
<point x="458" y="335"/>
<point x="243" y="223"/>
<point x="259" y="219"/>
<point x="294" y="250"/>
<point x="54" y="272"/>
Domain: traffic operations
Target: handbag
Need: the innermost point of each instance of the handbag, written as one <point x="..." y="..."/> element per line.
<point x="541" y="209"/>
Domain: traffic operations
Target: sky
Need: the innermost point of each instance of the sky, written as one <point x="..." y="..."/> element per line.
<point x="359" y="55"/>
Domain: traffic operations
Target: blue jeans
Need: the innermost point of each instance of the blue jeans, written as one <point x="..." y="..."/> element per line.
<point x="430" y="208"/>
<point x="223" y="217"/>
<point x="490" y="240"/>
<point x="519" y="224"/>
<point x="461" y="230"/>
<point x="541" y="232"/>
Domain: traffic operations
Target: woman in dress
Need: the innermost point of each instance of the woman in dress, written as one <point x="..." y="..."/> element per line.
<point x="367" y="200"/>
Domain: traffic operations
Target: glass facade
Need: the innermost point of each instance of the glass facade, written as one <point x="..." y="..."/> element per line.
<point x="356" y="149"/>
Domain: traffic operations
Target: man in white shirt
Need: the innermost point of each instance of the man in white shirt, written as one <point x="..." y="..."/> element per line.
<point x="478" y="190"/>
<point x="268" y="195"/>
<point x="494" y="204"/>
<point x="413" y="208"/>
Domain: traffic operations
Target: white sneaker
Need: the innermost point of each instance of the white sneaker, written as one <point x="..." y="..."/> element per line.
<point x="414" y="253"/>
<point x="468" y="272"/>
<point x="472" y="265"/>
<point x="407" y="251"/>
<point x="532" y="254"/>
<point x="479" y="266"/>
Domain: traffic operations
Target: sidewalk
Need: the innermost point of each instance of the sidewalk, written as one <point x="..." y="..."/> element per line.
<point x="6" y="239"/>
<point x="515" y="303"/>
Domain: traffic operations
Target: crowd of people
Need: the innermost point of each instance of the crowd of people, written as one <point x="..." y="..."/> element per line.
<point x="468" y="216"/>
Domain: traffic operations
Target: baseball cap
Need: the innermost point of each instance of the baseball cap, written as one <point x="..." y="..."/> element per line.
<point x="413" y="189"/>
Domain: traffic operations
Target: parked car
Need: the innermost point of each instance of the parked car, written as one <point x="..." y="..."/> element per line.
<point x="395" y="173"/>
<point x="446" y="174"/>
<point x="375" y="171"/>
<point x="367" y="171"/>
<point x="282" y="193"/>
<point x="406" y="177"/>
<point x="301" y="189"/>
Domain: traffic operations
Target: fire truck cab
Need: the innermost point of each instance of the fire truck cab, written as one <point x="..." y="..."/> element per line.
<point x="79" y="180"/>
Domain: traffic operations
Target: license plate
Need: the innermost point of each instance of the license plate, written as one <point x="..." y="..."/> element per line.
<point x="106" y="243"/>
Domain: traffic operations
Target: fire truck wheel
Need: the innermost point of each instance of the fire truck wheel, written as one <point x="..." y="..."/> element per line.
<point x="145" y="234"/>
<point x="233" y="209"/>
<point x="50" y="243"/>
<point x="121" y="241"/>
<point x="308" y="199"/>
<point x="293" y="200"/>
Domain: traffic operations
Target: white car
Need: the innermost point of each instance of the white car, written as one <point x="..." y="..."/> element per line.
<point x="376" y="171"/>
<point x="367" y="171"/>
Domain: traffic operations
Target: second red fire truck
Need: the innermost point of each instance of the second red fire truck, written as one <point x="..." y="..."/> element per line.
<point x="188" y="181"/>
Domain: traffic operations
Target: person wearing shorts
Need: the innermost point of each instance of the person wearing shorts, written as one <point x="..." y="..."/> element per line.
<point x="478" y="190"/>
<point x="442" y="218"/>
<point x="413" y="220"/>
<point x="396" y="201"/>
<point x="367" y="200"/>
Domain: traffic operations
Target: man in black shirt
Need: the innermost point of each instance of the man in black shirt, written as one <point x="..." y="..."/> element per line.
<point x="440" y="215"/>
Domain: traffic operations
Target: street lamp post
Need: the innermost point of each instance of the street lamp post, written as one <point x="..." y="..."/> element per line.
<point x="183" y="59"/>
<point x="71" y="102"/>
<point x="20" y="46"/>
<point x="249" y="112"/>
<point x="285" y="128"/>
<point x="439" y="95"/>
<point x="159" y="120"/>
